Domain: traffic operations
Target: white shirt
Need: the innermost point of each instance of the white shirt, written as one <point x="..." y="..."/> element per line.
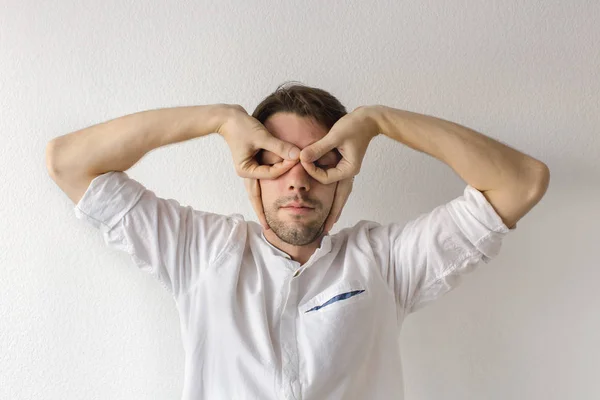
<point x="257" y="325"/>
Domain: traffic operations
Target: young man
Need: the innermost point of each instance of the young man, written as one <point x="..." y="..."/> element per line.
<point x="285" y="310"/>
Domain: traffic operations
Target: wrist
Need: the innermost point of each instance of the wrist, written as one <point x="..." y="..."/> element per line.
<point x="221" y="114"/>
<point x="224" y="113"/>
<point x="373" y="115"/>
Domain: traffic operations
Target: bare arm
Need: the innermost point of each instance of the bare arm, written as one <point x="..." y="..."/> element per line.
<point x="511" y="181"/>
<point x="75" y="159"/>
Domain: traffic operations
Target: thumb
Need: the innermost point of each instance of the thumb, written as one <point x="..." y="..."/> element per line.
<point x="317" y="150"/>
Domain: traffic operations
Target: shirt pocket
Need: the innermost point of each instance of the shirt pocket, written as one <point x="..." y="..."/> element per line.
<point x="342" y="297"/>
<point x="337" y="333"/>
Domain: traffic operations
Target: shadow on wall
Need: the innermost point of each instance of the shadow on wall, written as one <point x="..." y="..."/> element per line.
<point x="525" y="322"/>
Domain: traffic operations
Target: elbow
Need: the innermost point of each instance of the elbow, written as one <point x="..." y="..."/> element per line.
<point x="49" y="154"/>
<point x="539" y="181"/>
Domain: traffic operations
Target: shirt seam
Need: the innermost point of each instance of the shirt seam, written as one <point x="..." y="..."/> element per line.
<point x="452" y="268"/>
<point x="92" y="217"/>
<point x="229" y="246"/>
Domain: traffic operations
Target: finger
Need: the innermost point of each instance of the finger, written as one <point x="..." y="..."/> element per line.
<point x="342" y="192"/>
<point x="342" y="199"/>
<point x="253" y="188"/>
<point x="253" y="170"/>
<point x="285" y="150"/>
<point x="342" y="170"/>
<point x="318" y="149"/>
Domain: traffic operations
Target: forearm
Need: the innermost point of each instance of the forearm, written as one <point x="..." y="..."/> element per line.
<point x="479" y="160"/>
<point x="118" y="144"/>
<point x="512" y="182"/>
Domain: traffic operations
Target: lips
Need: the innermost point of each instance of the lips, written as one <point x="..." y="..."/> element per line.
<point x="297" y="205"/>
<point x="297" y="210"/>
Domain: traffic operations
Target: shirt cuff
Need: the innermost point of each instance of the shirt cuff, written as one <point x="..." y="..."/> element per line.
<point x="479" y="222"/>
<point x="108" y="198"/>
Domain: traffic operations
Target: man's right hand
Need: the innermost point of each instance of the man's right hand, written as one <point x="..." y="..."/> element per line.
<point x="246" y="136"/>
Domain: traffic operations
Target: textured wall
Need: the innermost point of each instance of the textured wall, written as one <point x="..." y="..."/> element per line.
<point x="78" y="321"/>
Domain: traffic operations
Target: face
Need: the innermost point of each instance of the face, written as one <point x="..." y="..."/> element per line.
<point x="296" y="185"/>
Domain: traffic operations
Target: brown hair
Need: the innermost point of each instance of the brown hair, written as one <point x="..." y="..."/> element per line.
<point x="301" y="100"/>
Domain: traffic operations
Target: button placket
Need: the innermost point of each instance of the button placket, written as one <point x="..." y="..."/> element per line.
<point x="289" y="373"/>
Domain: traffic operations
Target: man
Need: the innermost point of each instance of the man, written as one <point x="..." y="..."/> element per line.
<point x="289" y="311"/>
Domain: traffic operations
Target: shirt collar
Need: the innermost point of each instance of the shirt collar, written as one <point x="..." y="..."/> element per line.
<point x="323" y="249"/>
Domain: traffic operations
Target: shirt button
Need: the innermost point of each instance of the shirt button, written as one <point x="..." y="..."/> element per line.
<point x="297" y="273"/>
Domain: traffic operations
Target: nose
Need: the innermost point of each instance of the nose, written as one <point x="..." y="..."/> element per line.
<point x="297" y="178"/>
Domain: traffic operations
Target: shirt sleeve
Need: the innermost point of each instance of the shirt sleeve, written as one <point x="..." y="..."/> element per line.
<point x="430" y="255"/>
<point x="173" y="243"/>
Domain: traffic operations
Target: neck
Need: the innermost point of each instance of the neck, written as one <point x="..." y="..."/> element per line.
<point x="300" y="254"/>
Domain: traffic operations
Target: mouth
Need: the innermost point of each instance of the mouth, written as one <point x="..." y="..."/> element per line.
<point x="297" y="210"/>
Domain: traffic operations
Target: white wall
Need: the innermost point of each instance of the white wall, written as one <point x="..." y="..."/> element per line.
<point x="77" y="320"/>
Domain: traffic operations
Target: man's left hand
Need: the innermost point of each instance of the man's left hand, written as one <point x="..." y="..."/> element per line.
<point x="350" y="135"/>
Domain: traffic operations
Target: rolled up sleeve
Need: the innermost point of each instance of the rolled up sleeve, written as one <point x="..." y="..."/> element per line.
<point x="173" y="243"/>
<point x="432" y="253"/>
